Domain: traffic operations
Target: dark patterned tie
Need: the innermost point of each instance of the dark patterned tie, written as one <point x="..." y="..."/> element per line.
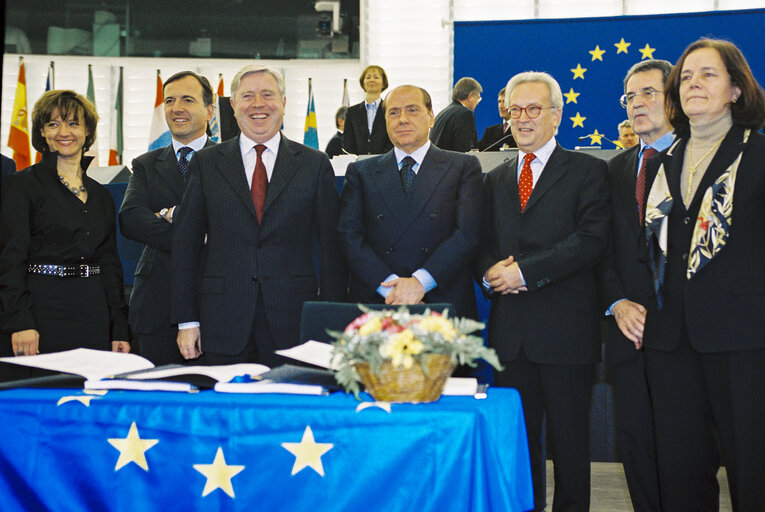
<point x="407" y="174"/>
<point x="259" y="183"/>
<point x="648" y="152"/>
<point x="526" y="180"/>
<point x="183" y="160"/>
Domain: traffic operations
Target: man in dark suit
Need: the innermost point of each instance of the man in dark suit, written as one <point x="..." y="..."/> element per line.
<point x="454" y="126"/>
<point x="547" y="226"/>
<point x="410" y="219"/>
<point x="146" y="215"/>
<point x="626" y="285"/>
<point x="258" y="212"/>
<point x="498" y="136"/>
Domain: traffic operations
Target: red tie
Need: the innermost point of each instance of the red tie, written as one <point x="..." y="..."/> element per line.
<point x="259" y="183"/>
<point x="648" y="152"/>
<point x="526" y="181"/>
<point x="504" y="127"/>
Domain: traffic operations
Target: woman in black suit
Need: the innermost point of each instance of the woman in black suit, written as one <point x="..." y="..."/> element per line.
<point x="358" y="138"/>
<point x="60" y="273"/>
<point x="705" y="338"/>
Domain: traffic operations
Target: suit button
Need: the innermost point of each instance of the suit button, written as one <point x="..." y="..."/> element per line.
<point x="433" y="215"/>
<point x="390" y="250"/>
<point x="84" y="211"/>
<point x="425" y="249"/>
<point x="380" y="216"/>
<point x="254" y="279"/>
<point x="685" y="257"/>
<point x="687" y="220"/>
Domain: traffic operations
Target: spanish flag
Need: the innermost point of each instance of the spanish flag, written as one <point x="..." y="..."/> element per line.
<point x="18" y="139"/>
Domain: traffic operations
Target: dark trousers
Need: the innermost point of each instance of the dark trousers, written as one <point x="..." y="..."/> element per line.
<point x="698" y="399"/>
<point x="635" y="433"/>
<point x="161" y="346"/>
<point x="561" y="394"/>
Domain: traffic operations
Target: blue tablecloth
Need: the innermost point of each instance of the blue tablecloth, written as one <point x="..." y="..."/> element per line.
<point x="144" y="451"/>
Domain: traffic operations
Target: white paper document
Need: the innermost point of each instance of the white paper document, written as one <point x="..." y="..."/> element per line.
<point x="266" y="386"/>
<point x="88" y="363"/>
<point x="312" y="352"/>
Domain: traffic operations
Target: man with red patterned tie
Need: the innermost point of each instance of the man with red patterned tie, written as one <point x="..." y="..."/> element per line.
<point x="626" y="285"/>
<point x="498" y="136"/>
<point x="259" y="210"/>
<point x="547" y="227"/>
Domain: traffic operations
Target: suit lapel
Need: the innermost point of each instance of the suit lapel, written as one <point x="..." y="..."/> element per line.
<point x="232" y="169"/>
<point x="388" y="183"/>
<point x="287" y="164"/>
<point x="554" y="170"/>
<point x="509" y="179"/>
<point x="627" y="184"/>
<point x="433" y="169"/>
<point x="167" y="169"/>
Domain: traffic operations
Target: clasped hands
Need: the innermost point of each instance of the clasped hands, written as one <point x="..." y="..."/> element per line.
<point x="505" y="277"/>
<point x="404" y="291"/>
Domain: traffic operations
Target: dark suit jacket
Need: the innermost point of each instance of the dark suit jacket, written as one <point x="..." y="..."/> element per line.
<point x="335" y="145"/>
<point x="557" y="240"/>
<point x="454" y="129"/>
<point x="624" y="274"/>
<point x="8" y="168"/>
<point x="155" y="183"/>
<point x="492" y="134"/>
<point x="218" y="282"/>
<point x="356" y="137"/>
<point x="721" y="307"/>
<point x="437" y="227"/>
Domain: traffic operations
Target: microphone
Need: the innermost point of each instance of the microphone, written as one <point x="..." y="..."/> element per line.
<point x="504" y="137"/>
<point x="602" y="137"/>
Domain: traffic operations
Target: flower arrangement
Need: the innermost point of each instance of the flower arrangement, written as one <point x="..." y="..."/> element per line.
<point x="402" y="340"/>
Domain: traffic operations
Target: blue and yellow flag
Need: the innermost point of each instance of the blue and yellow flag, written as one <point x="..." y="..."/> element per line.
<point x="310" y="134"/>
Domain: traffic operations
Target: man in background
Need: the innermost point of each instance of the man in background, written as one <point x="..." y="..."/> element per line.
<point x="498" y="136"/>
<point x="454" y="126"/>
<point x="627" y="136"/>
<point x="155" y="188"/>
<point x="335" y="144"/>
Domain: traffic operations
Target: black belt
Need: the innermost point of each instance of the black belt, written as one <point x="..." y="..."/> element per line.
<point x="65" y="270"/>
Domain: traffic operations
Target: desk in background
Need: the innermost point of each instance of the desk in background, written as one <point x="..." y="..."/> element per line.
<point x="458" y="454"/>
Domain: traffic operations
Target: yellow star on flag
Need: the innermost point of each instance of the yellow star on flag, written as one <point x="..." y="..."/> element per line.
<point x="578" y="120"/>
<point x="219" y="474"/>
<point x="578" y="72"/>
<point x="132" y="449"/>
<point x="647" y="52"/>
<point x="308" y="452"/>
<point x="596" y="138"/>
<point x="84" y="400"/>
<point x="597" y="53"/>
<point x="621" y="46"/>
<point x="618" y="144"/>
<point x="571" y="96"/>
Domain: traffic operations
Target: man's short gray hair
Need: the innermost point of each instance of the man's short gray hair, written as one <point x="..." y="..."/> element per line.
<point x="624" y="124"/>
<point x="257" y="68"/>
<point x="556" y="96"/>
<point x="465" y="87"/>
<point x="647" y="65"/>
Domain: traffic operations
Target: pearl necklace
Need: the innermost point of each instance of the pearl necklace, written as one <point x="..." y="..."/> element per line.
<point x="692" y="166"/>
<point x="74" y="190"/>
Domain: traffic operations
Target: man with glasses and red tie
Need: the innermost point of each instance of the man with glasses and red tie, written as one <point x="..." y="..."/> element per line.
<point x="498" y="136"/>
<point x="626" y="285"/>
<point x="547" y="227"/>
<point x="258" y="212"/>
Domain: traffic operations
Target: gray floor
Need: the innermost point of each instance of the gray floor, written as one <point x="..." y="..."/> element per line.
<point x="609" y="489"/>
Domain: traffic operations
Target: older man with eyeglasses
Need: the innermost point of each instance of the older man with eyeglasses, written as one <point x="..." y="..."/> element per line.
<point x="547" y="227"/>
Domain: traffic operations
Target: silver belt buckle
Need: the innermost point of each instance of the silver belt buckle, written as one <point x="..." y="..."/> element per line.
<point x="84" y="270"/>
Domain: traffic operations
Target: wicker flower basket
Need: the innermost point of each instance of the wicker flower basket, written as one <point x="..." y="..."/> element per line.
<point x="407" y="385"/>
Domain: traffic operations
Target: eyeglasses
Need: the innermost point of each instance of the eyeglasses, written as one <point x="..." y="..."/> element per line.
<point x="648" y="94"/>
<point x="532" y="111"/>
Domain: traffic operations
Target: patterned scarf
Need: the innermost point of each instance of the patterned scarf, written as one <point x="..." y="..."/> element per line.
<point x="710" y="234"/>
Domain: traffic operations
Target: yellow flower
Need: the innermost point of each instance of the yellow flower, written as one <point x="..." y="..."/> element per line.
<point x="438" y="324"/>
<point x="400" y="347"/>
<point x="373" y="325"/>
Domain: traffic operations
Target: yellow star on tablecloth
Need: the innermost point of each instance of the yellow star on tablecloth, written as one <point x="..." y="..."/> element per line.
<point x="308" y="452"/>
<point x="597" y="53"/>
<point x="132" y="449"/>
<point x="84" y="400"/>
<point x="219" y="474"/>
<point x="571" y="96"/>
<point x="596" y="138"/>
<point x="621" y="46"/>
<point x="578" y="72"/>
<point x="647" y="52"/>
<point x="578" y="120"/>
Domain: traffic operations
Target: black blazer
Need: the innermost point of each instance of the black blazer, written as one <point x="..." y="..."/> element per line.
<point x="721" y="307"/>
<point x="155" y="183"/>
<point x="356" y="137"/>
<point x="335" y="145"/>
<point x="454" y="129"/>
<point x="217" y="282"/>
<point x="556" y="240"/>
<point x="624" y="273"/>
<point x="8" y="168"/>
<point x="493" y="134"/>
<point x="437" y="227"/>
